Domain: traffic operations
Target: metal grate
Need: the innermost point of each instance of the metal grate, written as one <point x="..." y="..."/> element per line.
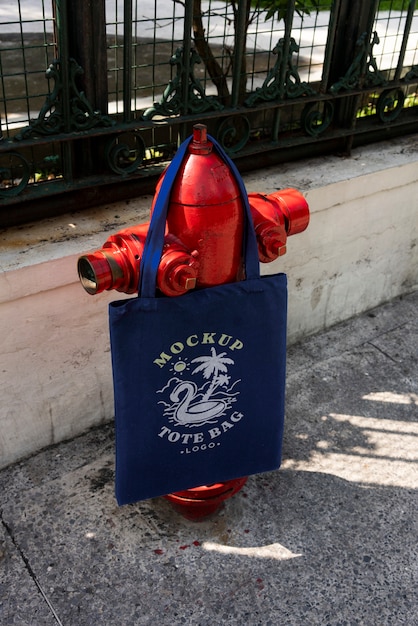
<point x="398" y="38"/>
<point x="97" y="95"/>
<point x="27" y="48"/>
<point x="141" y="39"/>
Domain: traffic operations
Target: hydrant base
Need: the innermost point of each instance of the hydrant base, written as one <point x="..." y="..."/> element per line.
<point x="200" y="503"/>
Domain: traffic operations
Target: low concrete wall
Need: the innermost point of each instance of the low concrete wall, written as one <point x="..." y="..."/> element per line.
<point x="360" y="250"/>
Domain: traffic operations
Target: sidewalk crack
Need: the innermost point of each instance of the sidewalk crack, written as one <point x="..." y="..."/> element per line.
<point x="383" y="352"/>
<point x="29" y="568"/>
<point x="387" y="331"/>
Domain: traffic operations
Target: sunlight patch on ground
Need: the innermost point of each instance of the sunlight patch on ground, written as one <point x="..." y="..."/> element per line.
<point x="367" y="450"/>
<point x="389" y="396"/>
<point x="272" y="551"/>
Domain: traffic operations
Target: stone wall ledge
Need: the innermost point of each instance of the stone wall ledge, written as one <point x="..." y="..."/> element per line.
<point x="359" y="251"/>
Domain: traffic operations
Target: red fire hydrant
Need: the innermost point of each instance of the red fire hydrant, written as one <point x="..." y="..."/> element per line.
<point x="202" y="248"/>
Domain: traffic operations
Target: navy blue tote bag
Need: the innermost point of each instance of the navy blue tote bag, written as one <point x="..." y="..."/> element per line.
<point x="199" y="378"/>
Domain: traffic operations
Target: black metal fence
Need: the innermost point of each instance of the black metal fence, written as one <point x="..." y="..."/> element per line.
<point x="95" y="95"/>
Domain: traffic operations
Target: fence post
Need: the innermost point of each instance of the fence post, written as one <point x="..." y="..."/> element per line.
<point x="87" y="45"/>
<point x="355" y="18"/>
<point x="86" y="26"/>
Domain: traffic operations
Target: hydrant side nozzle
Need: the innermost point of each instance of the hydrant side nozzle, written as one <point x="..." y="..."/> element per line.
<point x="294" y="208"/>
<point x="116" y="264"/>
<point x="270" y="226"/>
<point x="98" y="272"/>
<point x="178" y="268"/>
<point x="89" y="267"/>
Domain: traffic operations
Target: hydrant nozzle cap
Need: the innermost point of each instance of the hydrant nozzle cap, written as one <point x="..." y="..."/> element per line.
<point x="200" y="143"/>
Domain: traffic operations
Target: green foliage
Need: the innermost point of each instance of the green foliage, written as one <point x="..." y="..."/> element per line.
<point x="393" y="5"/>
<point x="277" y="8"/>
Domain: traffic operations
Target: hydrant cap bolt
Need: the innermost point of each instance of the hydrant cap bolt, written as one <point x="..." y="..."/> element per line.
<point x="200" y="143"/>
<point x="183" y="278"/>
<point x="200" y="133"/>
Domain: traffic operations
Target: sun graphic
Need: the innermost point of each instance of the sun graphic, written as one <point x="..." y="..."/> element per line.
<point x="180" y="366"/>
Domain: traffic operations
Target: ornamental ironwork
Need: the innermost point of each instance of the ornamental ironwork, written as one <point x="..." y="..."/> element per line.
<point x="14" y="174"/>
<point x="233" y="133"/>
<point x="317" y="117"/>
<point x="363" y="71"/>
<point x="412" y="74"/>
<point x="390" y="104"/>
<point x="125" y="153"/>
<point x="281" y="82"/>
<point x="64" y="112"/>
<point x="184" y="93"/>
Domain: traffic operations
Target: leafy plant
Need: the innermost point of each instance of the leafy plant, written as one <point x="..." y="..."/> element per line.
<point x="276" y="9"/>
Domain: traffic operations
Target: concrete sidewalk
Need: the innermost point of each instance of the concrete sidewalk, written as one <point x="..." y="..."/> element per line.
<point x="330" y="538"/>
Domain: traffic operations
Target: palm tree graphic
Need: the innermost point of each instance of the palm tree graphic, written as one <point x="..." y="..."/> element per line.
<point x="215" y="366"/>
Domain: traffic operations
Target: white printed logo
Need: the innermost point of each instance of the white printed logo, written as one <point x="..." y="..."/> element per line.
<point x="198" y="398"/>
<point x="194" y="406"/>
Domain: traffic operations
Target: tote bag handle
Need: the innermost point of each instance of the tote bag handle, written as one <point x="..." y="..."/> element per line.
<point x="155" y="237"/>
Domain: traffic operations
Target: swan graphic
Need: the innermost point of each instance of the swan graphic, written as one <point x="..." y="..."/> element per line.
<point x="192" y="411"/>
<point x="191" y="405"/>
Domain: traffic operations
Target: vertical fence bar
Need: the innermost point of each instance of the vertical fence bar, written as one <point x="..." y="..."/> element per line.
<point x="329" y="47"/>
<point x="408" y="24"/>
<point x="5" y="101"/>
<point x="25" y="71"/>
<point x="241" y="21"/>
<point x="288" y="23"/>
<point x="187" y="47"/>
<point x="127" y="60"/>
<point x="63" y="57"/>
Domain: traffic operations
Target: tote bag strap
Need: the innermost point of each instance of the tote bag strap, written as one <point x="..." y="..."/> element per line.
<point x="155" y="237"/>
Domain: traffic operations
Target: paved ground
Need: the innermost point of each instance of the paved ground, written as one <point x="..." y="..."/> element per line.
<point x="331" y="538"/>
